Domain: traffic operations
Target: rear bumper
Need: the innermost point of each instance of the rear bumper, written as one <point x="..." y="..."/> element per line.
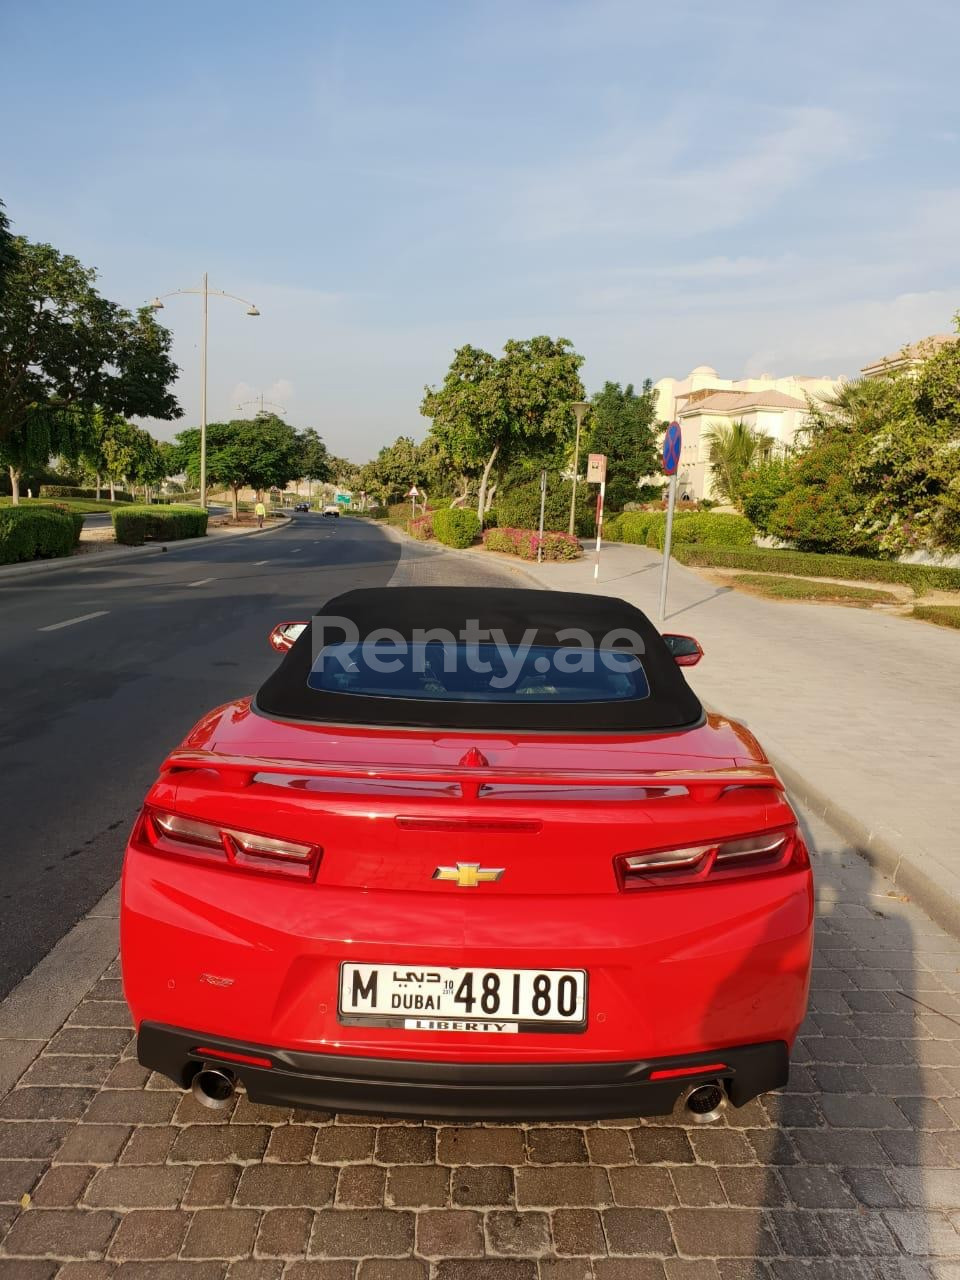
<point x="476" y="1091"/>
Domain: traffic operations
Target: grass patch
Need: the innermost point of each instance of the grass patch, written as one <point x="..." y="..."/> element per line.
<point x="921" y="577"/>
<point x="944" y="615"/>
<point x="807" y="589"/>
<point x="82" y="506"/>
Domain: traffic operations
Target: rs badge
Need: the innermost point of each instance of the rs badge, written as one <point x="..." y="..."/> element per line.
<point x="468" y="874"/>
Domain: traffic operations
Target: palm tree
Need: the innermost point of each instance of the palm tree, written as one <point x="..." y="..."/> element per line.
<point x="733" y="450"/>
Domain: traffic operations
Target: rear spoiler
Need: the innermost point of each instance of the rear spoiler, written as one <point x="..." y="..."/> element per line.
<point x="702" y="784"/>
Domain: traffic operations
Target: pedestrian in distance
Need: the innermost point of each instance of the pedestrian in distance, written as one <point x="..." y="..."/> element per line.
<point x="261" y="511"/>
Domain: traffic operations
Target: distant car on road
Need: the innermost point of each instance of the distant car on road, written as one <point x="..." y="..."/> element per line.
<point x="501" y="878"/>
<point x="302" y="506"/>
<point x="332" y="509"/>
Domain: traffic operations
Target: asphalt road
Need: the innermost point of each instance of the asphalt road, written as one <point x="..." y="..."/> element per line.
<point x="89" y="705"/>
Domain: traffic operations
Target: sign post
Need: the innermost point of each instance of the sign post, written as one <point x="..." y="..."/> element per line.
<point x="413" y="495"/>
<point x="597" y="474"/>
<point x="671" y="459"/>
<point x="543" y="499"/>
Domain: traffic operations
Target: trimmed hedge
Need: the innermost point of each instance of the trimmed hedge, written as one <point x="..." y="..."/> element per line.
<point x="705" y="528"/>
<point x="524" y="543"/>
<point x="455" y="527"/>
<point x="944" y="615"/>
<point x="134" y="525"/>
<point x="74" y="491"/>
<point x="75" y="517"/>
<point x="32" y="533"/>
<point x="921" y="577"/>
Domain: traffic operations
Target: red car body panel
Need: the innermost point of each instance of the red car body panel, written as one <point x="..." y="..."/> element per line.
<point x="673" y="970"/>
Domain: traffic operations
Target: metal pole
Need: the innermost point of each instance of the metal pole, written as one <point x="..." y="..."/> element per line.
<point x="667" y="539"/>
<point x="579" y="410"/>
<point x="543" y="499"/>
<point x="203" y="400"/>
<point x="603" y="491"/>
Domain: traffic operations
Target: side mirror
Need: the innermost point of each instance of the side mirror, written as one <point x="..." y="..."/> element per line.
<point x="284" y="634"/>
<point x="685" y="650"/>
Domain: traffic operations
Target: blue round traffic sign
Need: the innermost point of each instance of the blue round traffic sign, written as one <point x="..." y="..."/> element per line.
<point x="671" y="449"/>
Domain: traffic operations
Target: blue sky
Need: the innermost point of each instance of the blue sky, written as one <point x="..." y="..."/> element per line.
<point x="758" y="186"/>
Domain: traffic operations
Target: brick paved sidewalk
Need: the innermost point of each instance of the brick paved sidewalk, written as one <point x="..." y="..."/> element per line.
<point x="863" y="706"/>
<point x="853" y="1173"/>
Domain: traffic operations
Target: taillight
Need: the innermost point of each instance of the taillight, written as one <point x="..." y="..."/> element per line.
<point x="722" y="859"/>
<point x="172" y="833"/>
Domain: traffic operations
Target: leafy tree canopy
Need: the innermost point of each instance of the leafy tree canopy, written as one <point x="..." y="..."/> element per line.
<point x="623" y="425"/>
<point x="257" y="453"/>
<point x="315" y="462"/>
<point x="493" y="409"/>
<point x="64" y="350"/>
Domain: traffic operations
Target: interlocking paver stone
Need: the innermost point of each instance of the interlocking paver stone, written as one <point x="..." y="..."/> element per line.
<point x="852" y="1173"/>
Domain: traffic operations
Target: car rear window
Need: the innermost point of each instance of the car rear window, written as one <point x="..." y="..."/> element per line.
<point x="441" y="672"/>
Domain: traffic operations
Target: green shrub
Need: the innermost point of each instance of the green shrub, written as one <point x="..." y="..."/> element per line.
<point x="75" y="517"/>
<point x="762" y="487"/>
<point x="633" y="526"/>
<point x="75" y="491"/>
<point x="524" y="543"/>
<point x="422" y="527"/>
<point x="944" y="615"/>
<point x="134" y="525"/>
<point x="703" y="528"/>
<point x="611" y="529"/>
<point x="455" y="527"/>
<point x="29" y="533"/>
<point x="921" y="577"/>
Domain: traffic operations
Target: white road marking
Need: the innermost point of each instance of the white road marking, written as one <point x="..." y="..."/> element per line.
<point x="296" y="550"/>
<point x="201" y="582"/>
<point x="84" y="617"/>
<point x="259" y="562"/>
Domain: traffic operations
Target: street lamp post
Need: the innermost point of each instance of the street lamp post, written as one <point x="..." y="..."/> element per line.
<point x="204" y="291"/>
<point x="580" y="407"/>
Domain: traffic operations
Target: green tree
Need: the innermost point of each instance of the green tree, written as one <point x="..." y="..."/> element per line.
<point x="257" y="453"/>
<point x="64" y="350"/>
<point x="315" y="462"/>
<point x="392" y="472"/>
<point x="490" y="411"/>
<point x="623" y="425"/>
<point x="823" y="511"/>
<point x="732" y="450"/>
<point x="762" y="487"/>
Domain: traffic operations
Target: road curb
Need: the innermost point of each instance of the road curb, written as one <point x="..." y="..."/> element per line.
<point x="33" y="568"/>
<point x="941" y="903"/>
<point x="37" y="1007"/>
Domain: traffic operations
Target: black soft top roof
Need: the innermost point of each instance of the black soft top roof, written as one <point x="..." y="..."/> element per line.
<point x="672" y="704"/>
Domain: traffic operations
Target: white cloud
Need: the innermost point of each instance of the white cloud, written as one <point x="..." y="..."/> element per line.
<point x="666" y="181"/>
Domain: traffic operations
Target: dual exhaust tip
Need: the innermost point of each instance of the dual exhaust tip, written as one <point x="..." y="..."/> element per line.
<point x="213" y="1087"/>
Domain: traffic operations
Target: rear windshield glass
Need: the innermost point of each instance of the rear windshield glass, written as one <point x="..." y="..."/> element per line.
<point x="442" y="672"/>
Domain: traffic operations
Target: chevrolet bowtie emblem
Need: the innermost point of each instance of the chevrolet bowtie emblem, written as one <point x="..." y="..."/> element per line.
<point x="468" y="874"/>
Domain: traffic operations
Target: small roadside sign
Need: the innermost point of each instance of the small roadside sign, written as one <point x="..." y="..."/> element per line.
<point x="596" y="468"/>
<point x="414" y="492"/>
<point x="671" y="458"/>
<point x="672" y="441"/>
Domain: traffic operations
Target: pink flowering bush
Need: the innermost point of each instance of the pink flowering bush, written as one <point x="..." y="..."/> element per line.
<point x="422" y="527"/>
<point x="524" y="543"/>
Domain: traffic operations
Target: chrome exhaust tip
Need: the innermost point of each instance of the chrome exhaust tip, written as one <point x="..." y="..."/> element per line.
<point x="213" y="1087"/>
<point x="705" y="1102"/>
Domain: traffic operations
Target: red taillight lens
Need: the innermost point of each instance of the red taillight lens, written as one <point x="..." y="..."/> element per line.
<point x="172" y="833"/>
<point x="693" y="864"/>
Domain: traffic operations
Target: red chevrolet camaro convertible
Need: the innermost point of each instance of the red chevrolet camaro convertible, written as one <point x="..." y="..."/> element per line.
<point x="475" y="853"/>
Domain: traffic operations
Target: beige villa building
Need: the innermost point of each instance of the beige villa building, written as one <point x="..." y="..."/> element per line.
<point x="703" y="400"/>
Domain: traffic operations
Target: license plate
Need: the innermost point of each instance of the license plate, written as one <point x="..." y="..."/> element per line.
<point x="445" y="999"/>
